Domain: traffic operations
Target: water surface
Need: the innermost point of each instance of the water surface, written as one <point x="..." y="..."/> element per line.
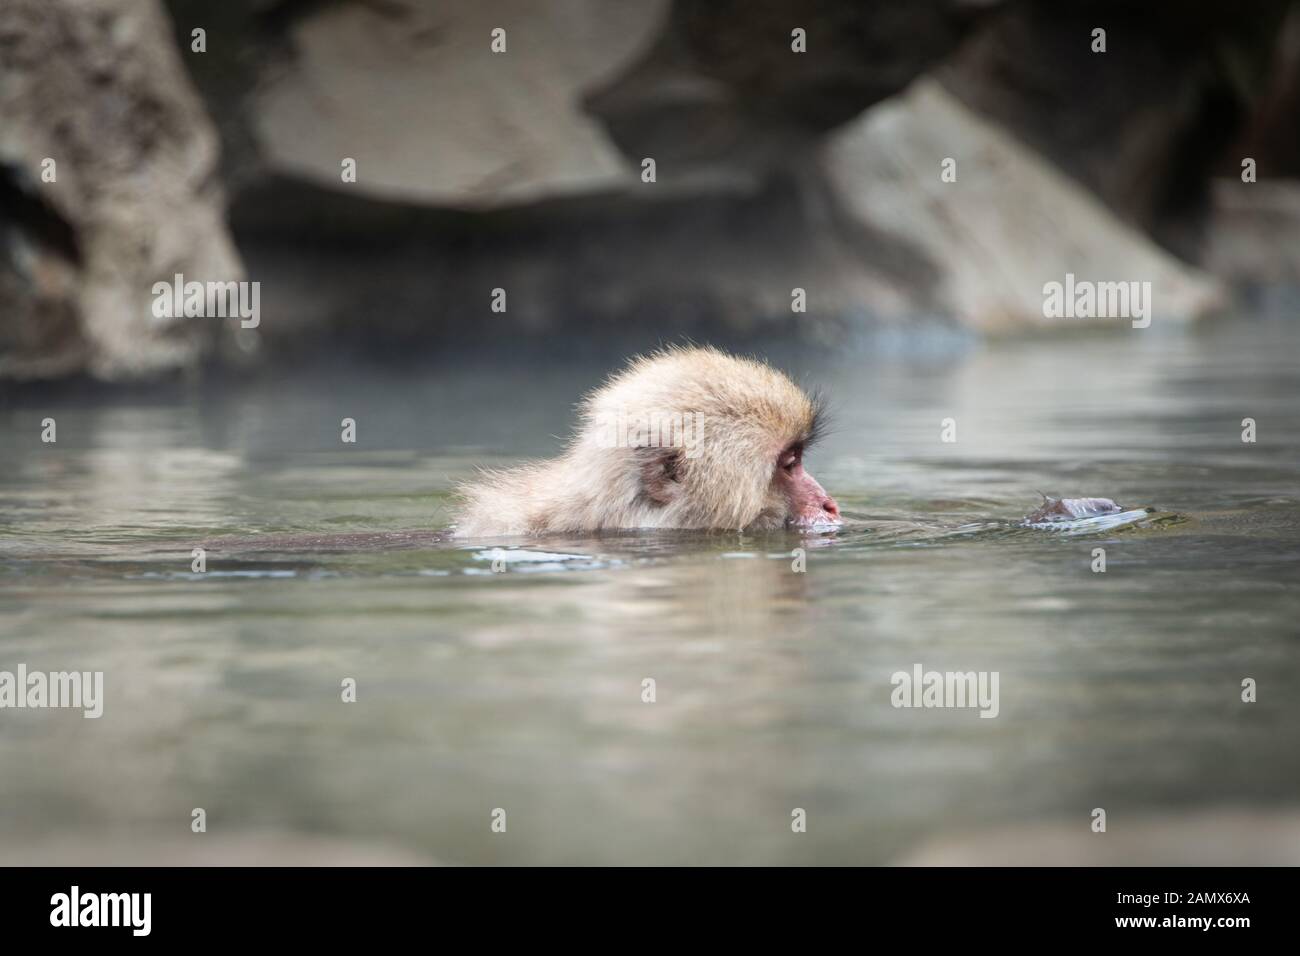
<point x="522" y="689"/>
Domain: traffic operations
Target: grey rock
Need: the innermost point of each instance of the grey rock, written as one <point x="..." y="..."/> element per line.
<point x="98" y="87"/>
<point x="1008" y="225"/>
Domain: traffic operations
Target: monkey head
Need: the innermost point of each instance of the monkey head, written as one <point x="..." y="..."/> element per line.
<point x="687" y="438"/>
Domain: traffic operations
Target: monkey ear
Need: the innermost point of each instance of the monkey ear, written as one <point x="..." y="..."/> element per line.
<point x="661" y="473"/>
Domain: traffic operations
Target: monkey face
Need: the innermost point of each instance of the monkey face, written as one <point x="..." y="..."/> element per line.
<point x="795" y="500"/>
<point x="807" y="505"/>
<point x="710" y="492"/>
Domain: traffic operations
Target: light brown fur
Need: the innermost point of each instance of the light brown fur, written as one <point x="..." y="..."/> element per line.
<point x="750" y="412"/>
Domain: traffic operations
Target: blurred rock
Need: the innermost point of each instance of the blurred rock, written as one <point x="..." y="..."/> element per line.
<point x="1205" y="838"/>
<point x="40" y="334"/>
<point x="1253" y="238"/>
<point x="586" y="89"/>
<point x="414" y="93"/>
<point x="97" y="86"/>
<point x="499" y="176"/>
<point x="609" y="273"/>
<point x="721" y="88"/>
<point x="520" y="170"/>
<point x="1255" y="242"/>
<point x="1273" y="136"/>
<point x="1144" y="124"/>
<point x="1008" y="225"/>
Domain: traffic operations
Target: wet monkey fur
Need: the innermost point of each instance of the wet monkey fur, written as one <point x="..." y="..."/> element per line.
<point x="689" y="438"/>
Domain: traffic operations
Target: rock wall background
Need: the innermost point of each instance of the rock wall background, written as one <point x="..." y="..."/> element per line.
<point x="93" y="95"/>
<point x="522" y="170"/>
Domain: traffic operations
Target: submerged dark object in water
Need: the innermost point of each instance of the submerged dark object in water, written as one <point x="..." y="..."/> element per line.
<point x="1082" y="514"/>
<point x="1072" y="509"/>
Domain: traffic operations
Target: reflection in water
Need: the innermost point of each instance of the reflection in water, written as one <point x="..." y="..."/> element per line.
<point x="510" y="674"/>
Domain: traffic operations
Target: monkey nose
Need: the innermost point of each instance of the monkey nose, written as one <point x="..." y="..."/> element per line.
<point x="830" y="507"/>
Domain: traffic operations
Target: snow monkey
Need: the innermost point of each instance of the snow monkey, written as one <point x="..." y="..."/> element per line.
<point x="683" y="438"/>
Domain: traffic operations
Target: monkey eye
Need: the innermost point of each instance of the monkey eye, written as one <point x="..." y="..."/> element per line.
<point x="790" y="458"/>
